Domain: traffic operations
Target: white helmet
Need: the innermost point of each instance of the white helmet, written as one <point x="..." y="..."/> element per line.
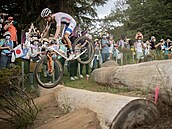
<point x="46" y="12"/>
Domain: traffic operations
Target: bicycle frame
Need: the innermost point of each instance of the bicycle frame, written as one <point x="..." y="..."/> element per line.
<point x="83" y="48"/>
<point x="59" y="52"/>
<point x="50" y="64"/>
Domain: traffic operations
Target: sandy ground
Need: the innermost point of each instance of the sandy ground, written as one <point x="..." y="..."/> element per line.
<point x="50" y="116"/>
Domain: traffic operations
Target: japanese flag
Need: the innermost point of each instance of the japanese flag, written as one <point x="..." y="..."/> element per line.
<point x="18" y="51"/>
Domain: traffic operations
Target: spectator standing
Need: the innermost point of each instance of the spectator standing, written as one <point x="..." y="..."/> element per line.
<point x="139" y="49"/>
<point x="97" y="60"/>
<point x="9" y="26"/>
<point x="85" y="33"/>
<point x="105" y="48"/>
<point x="2" y="23"/>
<point x="152" y="42"/>
<point x="6" y="45"/>
<point x="33" y="53"/>
<point x="121" y="42"/>
<point x="116" y="52"/>
<point x="111" y="49"/>
<point x="73" y="66"/>
<point x="168" y="48"/>
<point x="139" y="34"/>
<point x="152" y="47"/>
<point x="63" y="50"/>
<point x="147" y="48"/>
<point x="160" y="48"/>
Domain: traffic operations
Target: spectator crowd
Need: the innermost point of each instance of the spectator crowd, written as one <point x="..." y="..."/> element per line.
<point x="31" y="48"/>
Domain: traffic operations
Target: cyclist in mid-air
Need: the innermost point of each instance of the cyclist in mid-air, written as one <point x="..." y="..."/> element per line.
<point x="60" y="18"/>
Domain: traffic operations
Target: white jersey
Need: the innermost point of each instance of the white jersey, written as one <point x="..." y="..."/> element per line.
<point x="138" y="46"/>
<point x="63" y="18"/>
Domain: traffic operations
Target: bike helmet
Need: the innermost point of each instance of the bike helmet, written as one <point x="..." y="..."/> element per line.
<point x="45" y="12"/>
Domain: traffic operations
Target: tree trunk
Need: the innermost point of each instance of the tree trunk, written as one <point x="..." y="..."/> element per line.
<point x="111" y="109"/>
<point x="144" y="76"/>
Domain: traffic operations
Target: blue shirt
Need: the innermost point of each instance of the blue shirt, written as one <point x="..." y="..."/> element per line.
<point x="5" y="43"/>
<point x="105" y="49"/>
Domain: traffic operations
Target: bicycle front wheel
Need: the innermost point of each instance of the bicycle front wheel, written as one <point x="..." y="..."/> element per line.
<point x="42" y="75"/>
<point x="84" y="47"/>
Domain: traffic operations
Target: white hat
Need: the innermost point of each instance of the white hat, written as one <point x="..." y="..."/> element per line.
<point x="35" y="39"/>
<point x="152" y="37"/>
<point x="7" y="33"/>
<point x="96" y="40"/>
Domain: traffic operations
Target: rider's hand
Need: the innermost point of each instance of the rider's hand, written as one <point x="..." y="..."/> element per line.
<point x="53" y="41"/>
<point x="41" y="40"/>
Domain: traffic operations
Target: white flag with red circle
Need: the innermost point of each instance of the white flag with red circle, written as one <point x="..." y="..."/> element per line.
<point x="18" y="51"/>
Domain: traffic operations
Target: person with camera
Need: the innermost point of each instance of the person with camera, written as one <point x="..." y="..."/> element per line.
<point x="9" y="26"/>
<point x="105" y="48"/>
<point x="6" y="48"/>
<point x="2" y="17"/>
<point x="139" y="47"/>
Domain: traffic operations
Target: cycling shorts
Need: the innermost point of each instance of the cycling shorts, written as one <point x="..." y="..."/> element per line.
<point x="70" y="27"/>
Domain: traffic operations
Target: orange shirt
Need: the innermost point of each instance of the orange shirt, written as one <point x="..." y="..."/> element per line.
<point x="13" y="32"/>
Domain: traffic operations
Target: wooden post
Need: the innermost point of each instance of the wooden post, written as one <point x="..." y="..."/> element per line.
<point x="122" y="58"/>
<point x="133" y="57"/>
<point x="79" y="72"/>
<point x="53" y="77"/>
<point x="22" y="65"/>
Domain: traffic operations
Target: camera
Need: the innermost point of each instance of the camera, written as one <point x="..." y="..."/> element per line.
<point x="14" y="22"/>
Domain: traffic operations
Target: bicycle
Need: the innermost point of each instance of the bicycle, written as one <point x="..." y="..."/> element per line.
<point x="49" y="71"/>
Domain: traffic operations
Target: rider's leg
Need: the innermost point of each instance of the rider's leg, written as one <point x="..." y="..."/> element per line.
<point x="67" y="41"/>
<point x="68" y="31"/>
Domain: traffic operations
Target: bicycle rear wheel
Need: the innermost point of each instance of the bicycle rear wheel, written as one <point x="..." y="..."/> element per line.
<point x="85" y="47"/>
<point x="42" y="75"/>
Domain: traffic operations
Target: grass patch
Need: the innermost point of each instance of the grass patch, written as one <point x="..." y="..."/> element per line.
<point x="91" y="85"/>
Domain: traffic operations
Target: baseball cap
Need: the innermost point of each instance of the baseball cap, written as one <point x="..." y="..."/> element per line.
<point x="10" y="18"/>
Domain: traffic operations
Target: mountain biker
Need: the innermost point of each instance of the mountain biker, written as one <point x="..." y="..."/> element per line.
<point x="60" y="18"/>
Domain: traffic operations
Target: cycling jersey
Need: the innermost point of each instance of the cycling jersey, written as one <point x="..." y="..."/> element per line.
<point x="64" y="18"/>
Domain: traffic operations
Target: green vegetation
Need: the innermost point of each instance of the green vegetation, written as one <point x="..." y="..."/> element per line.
<point x="16" y="106"/>
<point x="151" y="17"/>
<point x="91" y="85"/>
<point x="25" y="11"/>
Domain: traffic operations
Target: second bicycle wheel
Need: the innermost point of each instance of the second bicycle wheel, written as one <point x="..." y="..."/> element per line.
<point x="84" y="49"/>
<point x="43" y="77"/>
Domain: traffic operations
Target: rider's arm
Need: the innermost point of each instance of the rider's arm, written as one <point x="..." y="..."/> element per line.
<point x="45" y="32"/>
<point x="57" y="32"/>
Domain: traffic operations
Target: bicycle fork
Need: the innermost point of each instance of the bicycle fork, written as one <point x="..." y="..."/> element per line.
<point x="50" y="64"/>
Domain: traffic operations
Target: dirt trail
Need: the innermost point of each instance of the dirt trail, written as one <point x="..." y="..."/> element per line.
<point x="78" y="119"/>
<point x="51" y="116"/>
